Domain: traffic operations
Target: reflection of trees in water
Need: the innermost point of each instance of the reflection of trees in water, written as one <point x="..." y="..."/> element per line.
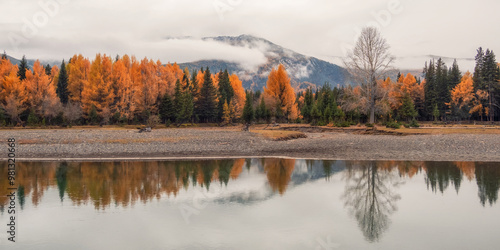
<point x="121" y="183"/>
<point x="488" y="182"/>
<point x="326" y="165"/>
<point x="124" y="183"/>
<point x="31" y="179"/>
<point x="279" y="173"/>
<point x="369" y="197"/>
<point x="439" y="175"/>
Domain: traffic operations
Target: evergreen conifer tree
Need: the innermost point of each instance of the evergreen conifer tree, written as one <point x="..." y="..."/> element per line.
<point x="226" y="92"/>
<point x="23" y="67"/>
<point x="62" y="84"/>
<point x="207" y="106"/>
<point x="167" y="111"/>
<point x="248" y="113"/>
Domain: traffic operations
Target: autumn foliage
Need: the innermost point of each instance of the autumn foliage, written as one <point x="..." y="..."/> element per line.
<point x="13" y="96"/>
<point x="125" y="90"/>
<point x="279" y="94"/>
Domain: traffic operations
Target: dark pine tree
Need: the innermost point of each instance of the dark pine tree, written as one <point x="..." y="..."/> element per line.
<point x="262" y="112"/>
<point x="308" y="104"/>
<point x="188" y="106"/>
<point x="486" y="77"/>
<point x="48" y="69"/>
<point x="248" y="113"/>
<point x="430" y="89"/>
<point x="4" y="55"/>
<point x="490" y="81"/>
<point x="23" y="66"/>
<point x="454" y="75"/>
<point x="206" y="105"/>
<point x="167" y="111"/>
<point x="194" y="85"/>
<point x="178" y="102"/>
<point x="478" y="70"/>
<point x="226" y="92"/>
<point x="62" y="84"/>
<point x="443" y="93"/>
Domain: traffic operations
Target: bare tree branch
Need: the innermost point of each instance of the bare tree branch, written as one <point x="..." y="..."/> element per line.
<point x="368" y="62"/>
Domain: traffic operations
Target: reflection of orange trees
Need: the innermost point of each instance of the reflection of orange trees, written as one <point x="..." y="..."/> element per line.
<point x="279" y="173"/>
<point x="119" y="183"/>
<point x="467" y="169"/>
<point x="32" y="178"/>
<point x="404" y="168"/>
<point x="124" y="183"/>
<point x="237" y="168"/>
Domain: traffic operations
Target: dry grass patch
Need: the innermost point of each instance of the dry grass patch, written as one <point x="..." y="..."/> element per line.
<point x="446" y="130"/>
<point x="143" y="140"/>
<point x="29" y="141"/>
<point x="279" y="135"/>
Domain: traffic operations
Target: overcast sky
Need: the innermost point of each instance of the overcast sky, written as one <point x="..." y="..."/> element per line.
<point x="321" y="28"/>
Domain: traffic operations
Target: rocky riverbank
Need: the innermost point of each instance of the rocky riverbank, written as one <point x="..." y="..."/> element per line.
<point x="232" y="142"/>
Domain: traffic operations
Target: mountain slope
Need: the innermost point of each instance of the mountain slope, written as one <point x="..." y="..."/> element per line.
<point x="31" y="62"/>
<point x="303" y="70"/>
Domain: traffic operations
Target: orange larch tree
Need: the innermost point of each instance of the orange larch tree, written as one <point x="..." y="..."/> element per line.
<point x="150" y="86"/>
<point x="239" y="95"/>
<point x="78" y="70"/>
<point x="98" y="92"/>
<point x="125" y="90"/>
<point x="462" y="96"/>
<point x="137" y="86"/>
<point x="54" y="75"/>
<point x="414" y="89"/>
<point x="12" y="92"/>
<point x="279" y="93"/>
<point x="41" y="92"/>
<point x="168" y="76"/>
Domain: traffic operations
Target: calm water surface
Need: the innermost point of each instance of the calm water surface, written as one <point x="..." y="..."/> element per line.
<point x="254" y="204"/>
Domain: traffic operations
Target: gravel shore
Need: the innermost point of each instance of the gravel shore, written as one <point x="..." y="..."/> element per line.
<point x="217" y="142"/>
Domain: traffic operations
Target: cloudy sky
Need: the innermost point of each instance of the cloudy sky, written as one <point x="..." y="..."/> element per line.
<point x="56" y="29"/>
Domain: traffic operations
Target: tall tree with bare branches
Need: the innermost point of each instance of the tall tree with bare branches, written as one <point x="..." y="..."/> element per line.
<point x="369" y="61"/>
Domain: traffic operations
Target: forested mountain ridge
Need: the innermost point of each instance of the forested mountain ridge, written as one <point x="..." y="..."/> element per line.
<point x="302" y="69"/>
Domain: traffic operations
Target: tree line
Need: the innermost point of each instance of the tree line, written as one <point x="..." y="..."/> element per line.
<point x="124" y="90"/>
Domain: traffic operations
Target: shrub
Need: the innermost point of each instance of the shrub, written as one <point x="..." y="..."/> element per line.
<point x="414" y="123"/>
<point x="321" y="123"/>
<point x="93" y="117"/>
<point x="392" y="124"/>
<point x="152" y="121"/>
<point x="343" y="124"/>
<point x="115" y="119"/>
<point x="32" y="119"/>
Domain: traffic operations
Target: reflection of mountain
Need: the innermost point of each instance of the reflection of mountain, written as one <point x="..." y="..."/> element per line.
<point x="124" y="183"/>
